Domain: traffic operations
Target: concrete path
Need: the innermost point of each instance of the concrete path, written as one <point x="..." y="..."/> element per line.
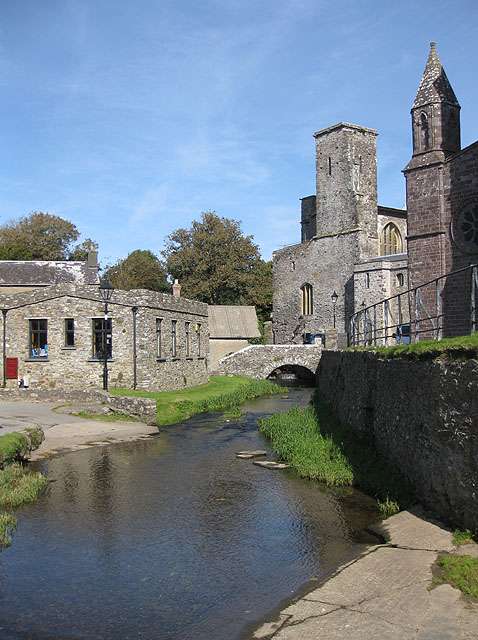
<point x="385" y="594"/>
<point x="65" y="432"/>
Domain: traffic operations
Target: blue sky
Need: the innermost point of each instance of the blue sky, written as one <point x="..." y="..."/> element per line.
<point x="130" y="118"/>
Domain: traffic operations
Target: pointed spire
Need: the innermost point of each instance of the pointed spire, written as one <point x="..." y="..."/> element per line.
<point x="434" y="86"/>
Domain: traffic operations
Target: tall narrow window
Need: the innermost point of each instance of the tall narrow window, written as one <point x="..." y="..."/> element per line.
<point x="199" y="340"/>
<point x="390" y="240"/>
<point x="187" y="328"/>
<point x="39" y="338"/>
<point x="400" y="279"/>
<point x="102" y="338"/>
<point x="330" y="166"/>
<point x="174" y="343"/>
<point x="159" y="337"/>
<point x="424" y="132"/>
<point x="69" y="332"/>
<point x="367" y="280"/>
<point x="307" y="299"/>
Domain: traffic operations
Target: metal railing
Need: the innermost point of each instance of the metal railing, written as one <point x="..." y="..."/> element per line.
<point x="442" y="307"/>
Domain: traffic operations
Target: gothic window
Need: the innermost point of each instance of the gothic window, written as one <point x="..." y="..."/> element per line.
<point x="424" y="132"/>
<point x="390" y="240"/>
<point x="307" y="299"/>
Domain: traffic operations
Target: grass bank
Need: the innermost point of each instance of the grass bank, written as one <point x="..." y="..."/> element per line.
<point x="318" y="447"/>
<point x="459" y="571"/>
<point x="18" y="485"/>
<point x="221" y="393"/>
<point x="453" y="348"/>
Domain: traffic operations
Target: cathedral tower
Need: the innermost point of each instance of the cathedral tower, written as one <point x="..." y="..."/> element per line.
<point x="436" y="138"/>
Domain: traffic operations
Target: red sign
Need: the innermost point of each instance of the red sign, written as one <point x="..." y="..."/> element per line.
<point x="11" y="368"/>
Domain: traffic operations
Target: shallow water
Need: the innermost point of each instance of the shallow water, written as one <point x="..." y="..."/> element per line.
<point x="172" y="538"/>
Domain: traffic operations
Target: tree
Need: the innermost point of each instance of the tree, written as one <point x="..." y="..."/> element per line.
<point x="216" y="263"/>
<point x="38" y="236"/>
<point x="141" y="269"/>
<point x="81" y="251"/>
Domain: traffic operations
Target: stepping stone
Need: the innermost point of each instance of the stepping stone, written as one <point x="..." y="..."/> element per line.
<point x="268" y="464"/>
<point x="247" y="455"/>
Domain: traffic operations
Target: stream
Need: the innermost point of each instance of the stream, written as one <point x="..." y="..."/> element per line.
<point x="173" y="537"/>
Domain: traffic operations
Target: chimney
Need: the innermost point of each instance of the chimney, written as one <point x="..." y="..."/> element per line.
<point x="176" y="289"/>
<point x="92" y="259"/>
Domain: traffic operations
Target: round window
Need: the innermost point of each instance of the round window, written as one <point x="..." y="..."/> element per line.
<point x="465" y="228"/>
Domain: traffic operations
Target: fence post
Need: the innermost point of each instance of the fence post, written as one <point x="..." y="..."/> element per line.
<point x="474" y="288"/>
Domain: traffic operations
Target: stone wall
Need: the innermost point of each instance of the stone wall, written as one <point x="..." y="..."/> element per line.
<point x="422" y="415"/>
<point x="73" y="367"/>
<point x="259" y="361"/>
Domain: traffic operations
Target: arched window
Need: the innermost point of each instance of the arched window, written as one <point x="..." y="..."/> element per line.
<point x="424" y="132"/>
<point x="307" y="299"/>
<point x="391" y="240"/>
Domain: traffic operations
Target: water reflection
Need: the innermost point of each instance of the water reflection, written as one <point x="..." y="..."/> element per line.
<point x="172" y="538"/>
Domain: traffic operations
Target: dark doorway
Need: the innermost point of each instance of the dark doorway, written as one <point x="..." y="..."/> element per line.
<point x="293" y="375"/>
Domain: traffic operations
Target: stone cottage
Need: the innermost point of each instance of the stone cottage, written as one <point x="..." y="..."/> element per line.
<point x="57" y="337"/>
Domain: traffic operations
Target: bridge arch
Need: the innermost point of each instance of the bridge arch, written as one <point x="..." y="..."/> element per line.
<point x="293" y="374"/>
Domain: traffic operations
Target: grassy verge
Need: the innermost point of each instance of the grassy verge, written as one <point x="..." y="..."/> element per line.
<point x="459" y="347"/>
<point x="462" y="537"/>
<point x="106" y="417"/>
<point x="18" y="485"/>
<point x="459" y="571"/>
<point x="318" y="447"/>
<point x="221" y="393"/>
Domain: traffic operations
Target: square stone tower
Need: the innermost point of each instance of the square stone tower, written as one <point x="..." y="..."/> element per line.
<point x="346" y="176"/>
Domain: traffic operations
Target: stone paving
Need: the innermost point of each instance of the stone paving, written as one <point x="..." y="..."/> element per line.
<point x="384" y="594"/>
<point x="65" y="432"/>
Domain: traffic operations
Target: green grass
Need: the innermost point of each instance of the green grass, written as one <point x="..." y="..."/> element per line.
<point x="459" y="347"/>
<point x="318" y="447"/>
<point x="461" y="572"/>
<point x="18" y="486"/>
<point x="106" y="417"/>
<point x="8" y="525"/>
<point x="16" y="446"/>
<point x="462" y="537"/>
<point x="221" y="393"/>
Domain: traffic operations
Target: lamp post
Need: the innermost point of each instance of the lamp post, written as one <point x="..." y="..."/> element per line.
<point x="334" y="297"/>
<point x="106" y="291"/>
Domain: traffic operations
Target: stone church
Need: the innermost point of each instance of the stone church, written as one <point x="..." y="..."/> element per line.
<point x="355" y="252"/>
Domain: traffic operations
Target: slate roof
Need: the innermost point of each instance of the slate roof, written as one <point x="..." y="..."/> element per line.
<point x="228" y="321"/>
<point x="39" y="273"/>
<point x="434" y="86"/>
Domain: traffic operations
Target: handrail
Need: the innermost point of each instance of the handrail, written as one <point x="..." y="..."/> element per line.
<point x="418" y="312"/>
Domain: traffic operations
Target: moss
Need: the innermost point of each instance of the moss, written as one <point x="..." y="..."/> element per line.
<point x="221" y="393"/>
<point x="450" y="348"/>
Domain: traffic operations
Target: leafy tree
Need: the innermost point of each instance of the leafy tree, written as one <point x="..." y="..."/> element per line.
<point x="216" y="263"/>
<point x="141" y="269"/>
<point x="81" y="251"/>
<point x="38" y="236"/>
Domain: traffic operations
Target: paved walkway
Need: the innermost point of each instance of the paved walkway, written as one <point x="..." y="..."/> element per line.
<point x="385" y="594"/>
<point x="65" y="432"/>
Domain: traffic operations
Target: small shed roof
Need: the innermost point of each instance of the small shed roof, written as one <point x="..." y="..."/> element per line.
<point x="230" y="321"/>
<point x="41" y="273"/>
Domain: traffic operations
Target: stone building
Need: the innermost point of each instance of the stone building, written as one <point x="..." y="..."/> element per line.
<point x="365" y="252"/>
<point x="56" y="337"/>
<point x="25" y="275"/>
<point x="349" y="244"/>
<point x="230" y="329"/>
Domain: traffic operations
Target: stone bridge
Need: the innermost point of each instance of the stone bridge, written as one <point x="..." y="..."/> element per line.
<point x="259" y="361"/>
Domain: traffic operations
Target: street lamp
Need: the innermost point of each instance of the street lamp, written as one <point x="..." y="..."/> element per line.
<point x="334" y="297"/>
<point x="106" y="291"/>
